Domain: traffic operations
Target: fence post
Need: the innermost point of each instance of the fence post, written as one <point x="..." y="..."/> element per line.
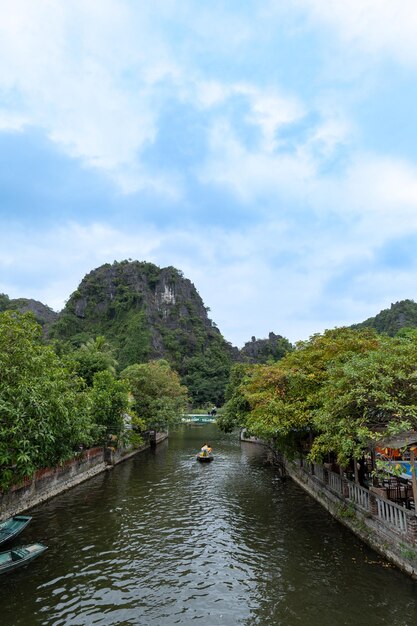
<point x="412" y="529"/>
<point x="373" y="506"/>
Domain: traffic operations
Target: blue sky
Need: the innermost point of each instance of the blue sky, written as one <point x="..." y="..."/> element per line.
<point x="268" y="150"/>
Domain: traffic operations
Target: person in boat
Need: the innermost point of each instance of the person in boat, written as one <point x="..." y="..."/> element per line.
<point x="206" y="449"/>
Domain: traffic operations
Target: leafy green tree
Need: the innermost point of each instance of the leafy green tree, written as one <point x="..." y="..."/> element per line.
<point x="44" y="413"/>
<point x="236" y="408"/>
<point x="109" y="402"/>
<point x="158" y="396"/>
<point x="368" y="395"/>
<point x="345" y="388"/>
<point x="96" y="355"/>
<point x="206" y="375"/>
<point x="286" y="395"/>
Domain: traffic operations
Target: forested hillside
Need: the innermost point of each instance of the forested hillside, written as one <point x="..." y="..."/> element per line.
<point x="42" y="313"/>
<point x="402" y="314"/>
<point x="265" y="350"/>
<point x="147" y="312"/>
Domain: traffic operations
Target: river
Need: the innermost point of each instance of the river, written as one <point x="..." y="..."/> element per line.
<point x="163" y="540"/>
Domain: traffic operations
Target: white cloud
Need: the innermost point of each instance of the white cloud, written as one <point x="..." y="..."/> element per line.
<point x="96" y="76"/>
<point x="375" y="196"/>
<point x="378" y="28"/>
<point x="369" y="188"/>
<point x="268" y="109"/>
<point x="86" y="74"/>
<point x="253" y="174"/>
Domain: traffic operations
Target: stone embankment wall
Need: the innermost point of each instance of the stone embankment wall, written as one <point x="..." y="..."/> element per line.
<point x="387" y="527"/>
<point x="47" y="483"/>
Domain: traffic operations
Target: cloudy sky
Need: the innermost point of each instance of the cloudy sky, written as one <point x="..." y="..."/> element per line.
<point x="266" y="149"/>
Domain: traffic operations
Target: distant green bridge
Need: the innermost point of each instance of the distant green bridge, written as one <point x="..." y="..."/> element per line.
<point x="198" y="418"/>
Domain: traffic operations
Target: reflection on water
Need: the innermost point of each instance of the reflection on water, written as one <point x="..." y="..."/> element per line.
<point x="164" y="540"/>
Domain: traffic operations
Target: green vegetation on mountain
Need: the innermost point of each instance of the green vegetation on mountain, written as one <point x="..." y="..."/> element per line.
<point x="42" y="313"/>
<point x="148" y="313"/>
<point x="265" y="350"/>
<point x="400" y="315"/>
<point x="134" y="312"/>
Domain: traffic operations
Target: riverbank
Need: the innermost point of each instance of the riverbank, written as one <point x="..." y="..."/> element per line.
<point x="388" y="528"/>
<point x="50" y="482"/>
<point x="137" y="546"/>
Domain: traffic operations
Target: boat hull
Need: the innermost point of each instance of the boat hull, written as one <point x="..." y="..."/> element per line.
<point x="12" y="527"/>
<point x="204" y="459"/>
<point x="20" y="556"/>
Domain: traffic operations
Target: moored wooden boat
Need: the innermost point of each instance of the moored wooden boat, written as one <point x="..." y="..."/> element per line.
<point x="204" y="458"/>
<point x="10" y="528"/>
<point x="12" y="559"/>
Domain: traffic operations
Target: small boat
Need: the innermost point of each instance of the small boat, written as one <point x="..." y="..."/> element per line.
<point x="13" y="526"/>
<point x="18" y="557"/>
<point x="204" y="458"/>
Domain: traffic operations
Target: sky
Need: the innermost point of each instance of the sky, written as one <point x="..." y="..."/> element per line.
<point x="266" y="149"/>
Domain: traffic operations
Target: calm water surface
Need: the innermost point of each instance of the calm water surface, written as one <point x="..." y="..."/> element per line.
<point x="164" y="540"/>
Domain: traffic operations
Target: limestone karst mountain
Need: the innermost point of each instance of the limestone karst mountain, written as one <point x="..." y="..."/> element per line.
<point x="147" y="312"/>
<point x="400" y="315"/>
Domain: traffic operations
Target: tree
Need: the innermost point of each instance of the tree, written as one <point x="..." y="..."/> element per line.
<point x="109" y="402"/>
<point x="96" y="355"/>
<point x="286" y="395"/>
<point x="368" y="395"/>
<point x="236" y="408"/>
<point x="206" y="374"/>
<point x="44" y="412"/>
<point x="344" y="388"/>
<point x="158" y="396"/>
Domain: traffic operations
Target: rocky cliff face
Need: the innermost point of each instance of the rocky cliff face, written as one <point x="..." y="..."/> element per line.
<point x="401" y="314"/>
<point x="147" y="312"/>
<point x="263" y="350"/>
<point x="42" y="313"/>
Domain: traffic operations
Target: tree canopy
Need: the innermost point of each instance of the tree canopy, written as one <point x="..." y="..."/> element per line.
<point x="158" y="396"/>
<point x="44" y="412"/>
<point x="52" y="405"/>
<point x="344" y="387"/>
<point x="95" y="355"/>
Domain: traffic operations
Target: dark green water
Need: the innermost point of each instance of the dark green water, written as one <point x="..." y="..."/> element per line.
<point x="164" y="540"/>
